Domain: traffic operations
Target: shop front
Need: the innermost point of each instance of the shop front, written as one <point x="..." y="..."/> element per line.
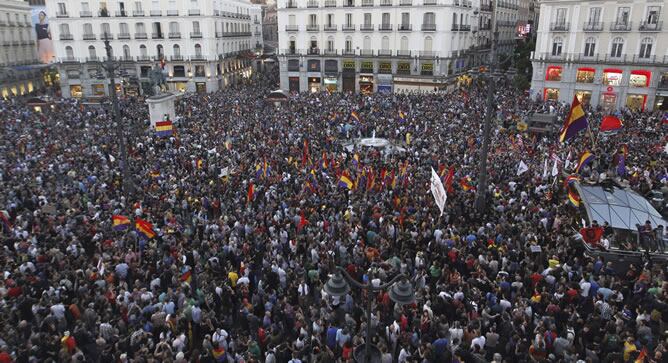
<point x="98" y="90"/>
<point x="661" y="101"/>
<point x="314" y="84"/>
<point x="366" y="80"/>
<point x="583" y="96"/>
<point x="348" y="76"/>
<point x="404" y="68"/>
<point x="551" y="94"/>
<point x="314" y="81"/>
<point x="331" y="80"/>
<point x="200" y="87"/>
<point x="293" y="84"/>
<point x="636" y="102"/>
<point x="76" y="91"/>
<point x="384" y="83"/>
<point x="608" y="99"/>
<point x="331" y="84"/>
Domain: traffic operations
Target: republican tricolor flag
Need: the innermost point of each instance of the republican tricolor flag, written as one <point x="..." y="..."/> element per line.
<point x="120" y="223"/>
<point x="144" y="228"/>
<point x="164" y="128"/>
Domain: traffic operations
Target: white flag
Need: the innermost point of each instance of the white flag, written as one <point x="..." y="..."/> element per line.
<point x="112" y="158"/>
<point x="555" y="170"/>
<point x="438" y="191"/>
<point x="522" y="168"/>
<point x="545" y="168"/>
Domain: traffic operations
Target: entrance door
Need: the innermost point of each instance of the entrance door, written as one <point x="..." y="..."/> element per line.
<point x="294" y="84"/>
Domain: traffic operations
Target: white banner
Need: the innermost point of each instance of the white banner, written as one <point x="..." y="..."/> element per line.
<point x="438" y="191"/>
<point x="522" y="168"/>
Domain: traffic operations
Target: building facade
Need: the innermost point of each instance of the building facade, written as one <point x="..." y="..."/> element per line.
<point x="608" y="53"/>
<point x="373" y="45"/>
<point x="200" y="45"/>
<point x="19" y="70"/>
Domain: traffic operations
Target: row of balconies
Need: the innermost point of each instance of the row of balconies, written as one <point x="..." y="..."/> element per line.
<point x="614" y="27"/>
<point x="141" y="58"/>
<point x="139" y="13"/>
<point x="361" y="52"/>
<point x="602" y="58"/>
<point x="8" y="43"/>
<point x="506" y="23"/>
<point x="463" y="3"/>
<point x="486" y="7"/>
<point x="370" y="27"/>
<point x="507" y="5"/>
<point x="19" y="23"/>
<point x="292" y="4"/>
<point x="171" y="35"/>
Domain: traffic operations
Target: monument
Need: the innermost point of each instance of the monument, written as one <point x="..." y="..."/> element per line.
<point x="161" y="104"/>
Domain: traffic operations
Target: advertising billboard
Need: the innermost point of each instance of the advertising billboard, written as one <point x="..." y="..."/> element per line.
<point x="40" y="22"/>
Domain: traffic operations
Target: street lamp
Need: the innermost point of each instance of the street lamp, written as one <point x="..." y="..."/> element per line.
<point x="401" y="292"/>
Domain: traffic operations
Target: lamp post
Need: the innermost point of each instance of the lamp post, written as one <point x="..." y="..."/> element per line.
<point x="111" y="68"/>
<point x="401" y="292"/>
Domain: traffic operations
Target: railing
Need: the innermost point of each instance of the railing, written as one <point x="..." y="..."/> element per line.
<point x="69" y="60"/>
<point x="385" y="2"/>
<point x="465" y="28"/>
<point x="366" y="27"/>
<point x="366" y="52"/>
<point x="85" y="14"/>
<point x="172" y="13"/>
<point x="157" y="12"/>
<point x="194" y="12"/>
<point x="219" y="34"/>
<point x="330" y="3"/>
<point x="66" y="37"/>
<point x="349" y="3"/>
<point x="385" y="27"/>
<point x="650" y="26"/>
<point x="126" y="58"/>
<point x="257" y="33"/>
<point x="141" y="36"/>
<point x="330" y="52"/>
<point x="428" y="54"/>
<point x="291" y="5"/>
<point x="348" y="28"/>
<point x="559" y="26"/>
<point x="330" y="28"/>
<point x="405" y="2"/>
<point x="486" y="7"/>
<point x="312" y="27"/>
<point x="312" y="4"/>
<point x="428" y="27"/>
<point x="103" y="13"/>
<point x="89" y="37"/>
<point x="144" y="58"/>
<point x="455" y="27"/>
<point x="313" y="51"/>
<point x="198" y="57"/>
<point x="593" y="26"/>
<point x="123" y="36"/>
<point x="58" y="15"/>
<point x="195" y="35"/>
<point x="174" y="35"/>
<point x="93" y="59"/>
<point x="138" y="13"/>
<point x="290" y="51"/>
<point x="292" y="28"/>
<point x="620" y="27"/>
<point x="348" y="52"/>
<point x="157" y="35"/>
<point x="121" y="13"/>
<point x="385" y="52"/>
<point x="405" y="27"/>
<point x="367" y="2"/>
<point x="429" y="2"/>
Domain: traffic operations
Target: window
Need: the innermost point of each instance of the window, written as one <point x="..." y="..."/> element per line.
<point x="91" y="52"/>
<point x="179" y="71"/>
<point x="64" y="29"/>
<point x="292" y="20"/>
<point x="138" y="6"/>
<point x="143" y="51"/>
<point x="69" y="52"/>
<point x="612" y="77"/>
<point x="312" y="19"/>
<point x="173" y="27"/>
<point x="404" y="43"/>
<point x="560" y="18"/>
<point x="292" y="45"/>
<point x="85" y="7"/>
<point x="198" y="50"/>
<point x="429" y="19"/>
<point x="645" y="48"/>
<point x="349" y="19"/>
<point x="557" y="46"/>
<point x="585" y="75"/>
<point x="314" y="43"/>
<point x="139" y="27"/>
<point x="385" y="43"/>
<point x="88" y="28"/>
<point x="349" y="44"/>
<point x="385" y="19"/>
<point x="653" y="14"/>
<point x="639" y="78"/>
<point x="61" y="9"/>
<point x="176" y="50"/>
<point x="454" y="20"/>
<point x="126" y="51"/>
<point x="160" y="51"/>
<point x="367" y="19"/>
<point x="553" y="73"/>
<point x="124" y="29"/>
<point x="594" y="15"/>
<point x="551" y="94"/>
<point x="196" y="28"/>
<point x="330" y="44"/>
<point x="105" y="29"/>
<point x="367" y="43"/>
<point x="617" y="46"/>
<point x="405" y="20"/>
<point x="427" y="44"/>
<point x="623" y="15"/>
<point x="157" y="29"/>
<point x="590" y="47"/>
<point x="330" y="20"/>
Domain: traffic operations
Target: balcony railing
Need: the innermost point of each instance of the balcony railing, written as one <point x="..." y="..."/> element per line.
<point x="89" y="37"/>
<point x="195" y="35"/>
<point x="427" y="54"/>
<point x="650" y="26"/>
<point x="66" y="37"/>
<point x="198" y="57"/>
<point x="559" y="26"/>
<point x="404" y="27"/>
<point x="290" y="51"/>
<point x="429" y="2"/>
<point x="428" y="27"/>
<point x="593" y="26"/>
<point x="138" y="13"/>
<point x="348" y="52"/>
<point x="60" y="15"/>
<point x="292" y="28"/>
<point x="312" y="27"/>
<point x="219" y="34"/>
<point x="405" y="2"/>
<point x="620" y="27"/>
<point x="172" y="13"/>
<point x="385" y="2"/>
<point x="330" y="52"/>
<point x="366" y="52"/>
<point x="385" y="27"/>
<point x="194" y="12"/>
<point x="330" y="28"/>
<point x="121" y="13"/>
<point x="141" y="36"/>
<point x="69" y="60"/>
<point x="455" y="27"/>
<point x="486" y="7"/>
<point x="366" y="27"/>
<point x="348" y="3"/>
<point x="348" y="28"/>
<point x="465" y="27"/>
<point x="175" y="35"/>
<point x="313" y="51"/>
<point x="330" y="3"/>
<point x="385" y="52"/>
<point x="291" y="5"/>
<point x="367" y="2"/>
<point x="157" y="12"/>
<point x="312" y="4"/>
<point x="92" y="59"/>
<point x="157" y="35"/>
<point x="85" y="14"/>
<point x="122" y="36"/>
<point x="144" y="58"/>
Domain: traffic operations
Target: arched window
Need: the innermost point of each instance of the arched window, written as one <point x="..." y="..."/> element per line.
<point x="427" y="44"/>
<point x="143" y="51"/>
<point x="557" y="46"/>
<point x="69" y="52"/>
<point x="646" y="47"/>
<point x="404" y="43"/>
<point x="590" y="47"/>
<point x="91" y="52"/>
<point x="367" y="43"/>
<point x="617" y="47"/>
<point x="385" y="43"/>
<point x="198" y="50"/>
<point x="126" y="51"/>
<point x="176" y="50"/>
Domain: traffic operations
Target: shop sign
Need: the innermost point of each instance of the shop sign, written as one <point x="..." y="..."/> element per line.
<point x="349" y="65"/>
<point x="385" y="67"/>
<point x="366" y="66"/>
<point x="404" y="67"/>
<point x="427" y="67"/>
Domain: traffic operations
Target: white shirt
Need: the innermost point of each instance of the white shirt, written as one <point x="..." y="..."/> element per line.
<point x="479" y="341"/>
<point x="585" y="286"/>
<point x="303" y="289"/>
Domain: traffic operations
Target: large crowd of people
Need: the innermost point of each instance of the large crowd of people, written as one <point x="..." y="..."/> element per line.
<point x="250" y="219"/>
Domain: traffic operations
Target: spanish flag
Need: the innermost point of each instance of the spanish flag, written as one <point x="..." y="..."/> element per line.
<point x="465" y="183"/>
<point x="164" y="128"/>
<point x="585" y="158"/>
<point x="251" y="193"/>
<point x="187" y="276"/>
<point x="355" y="116"/>
<point x="120" y="223"/>
<point x="144" y="228"/>
<point x="345" y="182"/>
<point x="575" y="121"/>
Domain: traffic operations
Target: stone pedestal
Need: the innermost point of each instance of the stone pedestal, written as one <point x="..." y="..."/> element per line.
<point x="161" y="105"/>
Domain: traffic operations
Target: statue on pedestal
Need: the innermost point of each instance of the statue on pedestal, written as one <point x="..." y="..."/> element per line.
<point x="158" y="80"/>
